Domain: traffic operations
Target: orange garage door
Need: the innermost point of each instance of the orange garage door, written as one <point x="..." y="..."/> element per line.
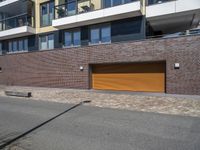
<point x="141" y="77"/>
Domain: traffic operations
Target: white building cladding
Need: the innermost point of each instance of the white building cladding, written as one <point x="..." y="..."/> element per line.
<point x="173" y="15"/>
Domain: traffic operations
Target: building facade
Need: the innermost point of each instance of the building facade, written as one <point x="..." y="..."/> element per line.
<point x="101" y="44"/>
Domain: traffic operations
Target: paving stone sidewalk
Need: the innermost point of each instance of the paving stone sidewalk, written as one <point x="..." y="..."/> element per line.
<point x="148" y="102"/>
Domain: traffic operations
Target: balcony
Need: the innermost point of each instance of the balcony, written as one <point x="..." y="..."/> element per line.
<point x="173" y="15"/>
<point x="8" y="2"/>
<point x="86" y="12"/>
<point x="16" y="26"/>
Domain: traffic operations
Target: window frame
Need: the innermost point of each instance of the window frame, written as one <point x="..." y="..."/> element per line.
<point x="100" y="27"/>
<point x="1" y="48"/>
<point x="47" y="41"/>
<point x="11" y="45"/>
<point x="71" y="31"/>
<point x="48" y="13"/>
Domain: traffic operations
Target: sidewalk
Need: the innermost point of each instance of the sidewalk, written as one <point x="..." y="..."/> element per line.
<point x="148" y="102"/>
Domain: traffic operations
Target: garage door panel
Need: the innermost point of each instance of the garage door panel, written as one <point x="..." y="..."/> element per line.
<point x="151" y="82"/>
<point x="141" y="77"/>
<point x="130" y="68"/>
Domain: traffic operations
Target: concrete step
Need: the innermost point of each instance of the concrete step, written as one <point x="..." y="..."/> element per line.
<point x="18" y="94"/>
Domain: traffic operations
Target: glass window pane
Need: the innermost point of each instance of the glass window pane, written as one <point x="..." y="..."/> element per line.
<point x="117" y="2"/>
<point x="51" y="7"/>
<point x="26" y="44"/>
<point x="44" y="15"/>
<point x="77" y="38"/>
<point x="107" y="3"/>
<point x="43" y="43"/>
<point x="47" y="13"/>
<point x="0" y="48"/>
<point x="10" y="46"/>
<point x="44" y="9"/>
<point x="68" y="39"/>
<point x="94" y="35"/>
<point x="15" y="46"/>
<point x="45" y="20"/>
<point x="51" y="41"/>
<point x="20" y="45"/>
<point x="51" y="11"/>
<point x="128" y="1"/>
<point x="71" y="8"/>
<point x="105" y="34"/>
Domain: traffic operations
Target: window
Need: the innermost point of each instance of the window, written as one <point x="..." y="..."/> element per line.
<point x="14" y="46"/>
<point x="0" y="48"/>
<point x="128" y="1"/>
<point x="77" y="38"/>
<point x="100" y="34"/>
<point x="46" y="42"/>
<point x="107" y="3"/>
<point x="111" y="3"/>
<point x="105" y="34"/>
<point x="18" y="45"/>
<point x="25" y="44"/>
<point x="43" y="42"/>
<point x="10" y="46"/>
<point x="117" y="2"/>
<point x="71" y="7"/>
<point x="46" y="13"/>
<point x="72" y="38"/>
<point x="95" y="35"/>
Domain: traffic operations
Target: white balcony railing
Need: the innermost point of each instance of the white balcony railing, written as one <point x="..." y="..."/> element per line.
<point x="171" y="6"/>
<point x="68" y="19"/>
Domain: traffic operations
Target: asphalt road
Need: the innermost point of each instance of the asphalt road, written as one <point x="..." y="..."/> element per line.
<point x="92" y="128"/>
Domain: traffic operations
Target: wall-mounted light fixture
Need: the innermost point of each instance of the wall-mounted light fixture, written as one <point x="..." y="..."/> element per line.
<point x="81" y="68"/>
<point x="176" y="66"/>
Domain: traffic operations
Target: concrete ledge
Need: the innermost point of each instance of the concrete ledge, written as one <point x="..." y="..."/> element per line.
<point x="18" y="94"/>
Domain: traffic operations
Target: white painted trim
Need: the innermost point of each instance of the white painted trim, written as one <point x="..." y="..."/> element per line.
<point x="17" y="52"/>
<point x="7" y="2"/>
<point x="16" y="32"/>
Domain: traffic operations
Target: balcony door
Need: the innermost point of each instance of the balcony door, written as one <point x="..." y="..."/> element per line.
<point x="46" y="13"/>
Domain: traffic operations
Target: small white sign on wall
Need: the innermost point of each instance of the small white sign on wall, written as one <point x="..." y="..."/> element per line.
<point x="176" y="66"/>
<point x="81" y="68"/>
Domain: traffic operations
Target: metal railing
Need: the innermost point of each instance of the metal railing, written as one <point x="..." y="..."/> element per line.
<point x="82" y="6"/>
<point x="16" y="21"/>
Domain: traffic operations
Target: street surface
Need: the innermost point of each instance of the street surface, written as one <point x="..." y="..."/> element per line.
<point x="93" y="128"/>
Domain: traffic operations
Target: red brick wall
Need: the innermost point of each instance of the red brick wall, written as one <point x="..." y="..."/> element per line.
<point x="56" y="68"/>
<point x="60" y="68"/>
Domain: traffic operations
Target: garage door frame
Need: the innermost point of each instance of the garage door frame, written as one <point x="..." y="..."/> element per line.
<point x="142" y="62"/>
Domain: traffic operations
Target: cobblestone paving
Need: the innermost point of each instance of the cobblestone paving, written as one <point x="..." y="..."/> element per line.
<point x="160" y="103"/>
